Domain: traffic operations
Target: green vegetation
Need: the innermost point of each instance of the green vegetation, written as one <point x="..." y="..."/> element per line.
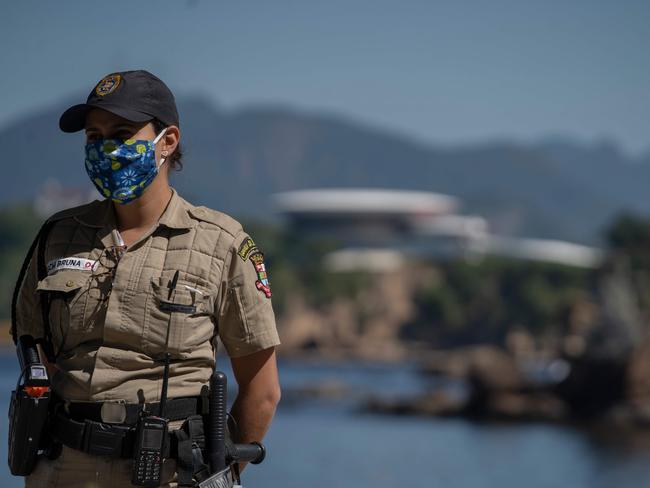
<point x="482" y="301"/>
<point x="295" y="267"/>
<point x="18" y="227"/>
<point x="629" y="237"/>
<point x="629" y="240"/>
<point x="477" y="302"/>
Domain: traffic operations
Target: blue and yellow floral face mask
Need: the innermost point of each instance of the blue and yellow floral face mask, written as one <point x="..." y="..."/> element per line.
<point x="122" y="170"/>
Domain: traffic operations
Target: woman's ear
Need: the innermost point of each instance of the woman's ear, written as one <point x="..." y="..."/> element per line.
<point x="170" y="140"/>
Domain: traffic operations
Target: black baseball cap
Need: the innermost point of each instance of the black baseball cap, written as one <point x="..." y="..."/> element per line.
<point x="137" y="96"/>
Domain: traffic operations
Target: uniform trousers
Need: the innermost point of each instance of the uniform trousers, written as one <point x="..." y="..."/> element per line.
<point x="77" y="469"/>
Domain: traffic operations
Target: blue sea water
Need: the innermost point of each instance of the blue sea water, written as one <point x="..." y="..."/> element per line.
<point x="329" y="443"/>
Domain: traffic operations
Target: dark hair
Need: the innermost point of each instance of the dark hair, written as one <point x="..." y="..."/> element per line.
<point x="174" y="159"/>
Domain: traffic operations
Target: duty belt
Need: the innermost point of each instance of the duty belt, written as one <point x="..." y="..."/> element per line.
<point x="175" y="409"/>
<point x="84" y="431"/>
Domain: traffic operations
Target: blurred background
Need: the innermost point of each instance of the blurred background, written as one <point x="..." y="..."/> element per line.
<point x="452" y="198"/>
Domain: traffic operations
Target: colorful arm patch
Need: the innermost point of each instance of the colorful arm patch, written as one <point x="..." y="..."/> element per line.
<point x="262" y="282"/>
<point x="249" y="250"/>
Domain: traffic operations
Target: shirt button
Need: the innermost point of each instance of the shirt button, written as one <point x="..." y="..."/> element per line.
<point x="69" y="283"/>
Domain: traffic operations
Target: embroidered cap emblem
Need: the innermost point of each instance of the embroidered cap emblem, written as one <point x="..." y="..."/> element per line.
<point x="108" y="85"/>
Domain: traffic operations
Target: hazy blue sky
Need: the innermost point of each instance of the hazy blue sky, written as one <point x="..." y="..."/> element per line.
<point x="444" y="72"/>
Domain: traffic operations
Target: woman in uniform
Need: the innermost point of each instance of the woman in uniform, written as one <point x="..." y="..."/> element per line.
<point x="116" y="287"/>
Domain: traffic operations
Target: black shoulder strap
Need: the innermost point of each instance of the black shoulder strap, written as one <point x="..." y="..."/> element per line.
<point x="40" y="241"/>
<point x="47" y="344"/>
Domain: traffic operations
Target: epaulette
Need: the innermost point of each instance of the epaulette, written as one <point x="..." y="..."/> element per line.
<point x="226" y="222"/>
<point x="73" y="211"/>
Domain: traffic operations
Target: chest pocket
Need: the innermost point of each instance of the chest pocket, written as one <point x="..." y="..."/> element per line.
<point x="67" y="293"/>
<point x="188" y="312"/>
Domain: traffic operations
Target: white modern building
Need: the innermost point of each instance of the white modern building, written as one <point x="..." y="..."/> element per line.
<point x="377" y="229"/>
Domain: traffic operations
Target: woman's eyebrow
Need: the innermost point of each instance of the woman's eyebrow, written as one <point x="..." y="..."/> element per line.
<point x="119" y="127"/>
<point x="124" y="127"/>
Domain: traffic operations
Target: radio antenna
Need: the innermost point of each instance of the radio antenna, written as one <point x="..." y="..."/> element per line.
<point x="163" y="393"/>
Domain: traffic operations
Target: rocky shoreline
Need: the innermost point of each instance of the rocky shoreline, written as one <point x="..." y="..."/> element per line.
<point x="501" y="388"/>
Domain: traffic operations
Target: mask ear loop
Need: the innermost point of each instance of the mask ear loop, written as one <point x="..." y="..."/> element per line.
<point x="155" y="141"/>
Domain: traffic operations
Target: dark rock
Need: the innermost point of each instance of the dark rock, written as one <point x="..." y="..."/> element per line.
<point x="593" y="386"/>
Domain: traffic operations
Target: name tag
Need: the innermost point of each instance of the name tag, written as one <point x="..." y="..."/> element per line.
<point x="71" y="263"/>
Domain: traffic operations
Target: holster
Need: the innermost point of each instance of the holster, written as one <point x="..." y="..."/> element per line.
<point x="27" y="418"/>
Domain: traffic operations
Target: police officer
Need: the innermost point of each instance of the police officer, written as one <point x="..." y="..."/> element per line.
<point x="100" y="302"/>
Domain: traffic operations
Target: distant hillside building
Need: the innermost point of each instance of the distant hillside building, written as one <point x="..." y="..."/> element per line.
<point x="376" y="228"/>
<point x="374" y="217"/>
<point x="53" y="196"/>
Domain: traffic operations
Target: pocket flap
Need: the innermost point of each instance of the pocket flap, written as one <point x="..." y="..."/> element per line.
<point x="63" y="281"/>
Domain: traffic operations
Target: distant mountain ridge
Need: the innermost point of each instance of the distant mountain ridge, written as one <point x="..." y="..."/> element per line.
<point x="235" y="159"/>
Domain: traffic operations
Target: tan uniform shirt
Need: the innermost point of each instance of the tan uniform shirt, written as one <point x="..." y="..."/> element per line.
<point x="109" y="322"/>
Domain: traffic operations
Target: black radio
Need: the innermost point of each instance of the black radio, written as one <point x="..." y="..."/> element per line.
<point x="151" y="433"/>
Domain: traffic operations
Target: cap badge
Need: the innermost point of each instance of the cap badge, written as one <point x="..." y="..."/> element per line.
<point x="108" y="85"/>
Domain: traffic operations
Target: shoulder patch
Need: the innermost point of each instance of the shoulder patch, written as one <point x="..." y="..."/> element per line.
<point x="226" y="222"/>
<point x="262" y="282"/>
<point x="247" y="248"/>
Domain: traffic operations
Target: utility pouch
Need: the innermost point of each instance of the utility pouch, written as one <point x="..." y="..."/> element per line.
<point x="190" y="440"/>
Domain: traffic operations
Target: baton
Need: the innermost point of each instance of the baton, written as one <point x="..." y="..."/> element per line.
<point x="217" y="423"/>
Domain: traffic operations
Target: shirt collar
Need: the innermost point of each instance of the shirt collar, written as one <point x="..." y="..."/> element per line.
<point x="175" y="215"/>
